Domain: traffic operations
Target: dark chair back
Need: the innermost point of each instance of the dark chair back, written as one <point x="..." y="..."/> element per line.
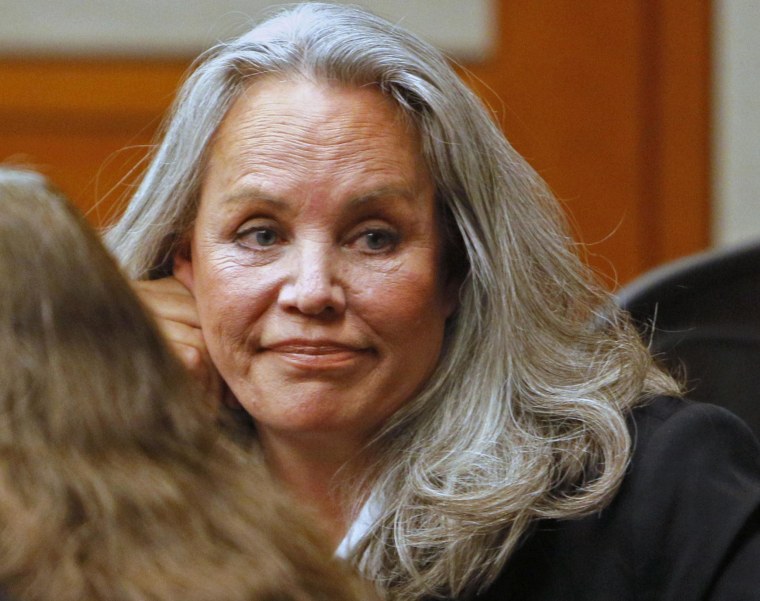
<point x="701" y="316"/>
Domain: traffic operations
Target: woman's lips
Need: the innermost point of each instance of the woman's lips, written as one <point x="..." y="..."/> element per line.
<point x="317" y="355"/>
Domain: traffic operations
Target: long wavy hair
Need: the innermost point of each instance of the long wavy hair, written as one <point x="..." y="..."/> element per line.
<point x="116" y="481"/>
<point x="525" y="417"/>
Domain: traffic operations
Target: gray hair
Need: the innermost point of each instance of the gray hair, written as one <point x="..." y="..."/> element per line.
<point x="525" y="417"/>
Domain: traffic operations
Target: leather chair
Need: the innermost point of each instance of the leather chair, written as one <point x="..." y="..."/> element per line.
<point x="701" y="318"/>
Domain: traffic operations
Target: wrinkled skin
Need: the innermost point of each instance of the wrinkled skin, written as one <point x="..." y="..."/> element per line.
<point x="315" y="260"/>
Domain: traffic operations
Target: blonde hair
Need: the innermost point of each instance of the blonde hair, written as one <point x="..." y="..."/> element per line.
<point x="525" y="417"/>
<point x="116" y="482"/>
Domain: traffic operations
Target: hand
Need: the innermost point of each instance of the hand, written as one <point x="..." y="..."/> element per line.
<point x="174" y="309"/>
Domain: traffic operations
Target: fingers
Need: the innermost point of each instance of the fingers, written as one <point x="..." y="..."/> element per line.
<point x="174" y="310"/>
<point x="167" y="299"/>
<point x="200" y="366"/>
<point x="181" y="334"/>
<point x="193" y="358"/>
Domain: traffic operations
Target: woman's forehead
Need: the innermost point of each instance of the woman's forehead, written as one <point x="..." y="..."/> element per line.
<point x="313" y="107"/>
<point x="303" y="129"/>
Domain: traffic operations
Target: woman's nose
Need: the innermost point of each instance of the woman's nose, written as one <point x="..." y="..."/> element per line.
<point x="312" y="287"/>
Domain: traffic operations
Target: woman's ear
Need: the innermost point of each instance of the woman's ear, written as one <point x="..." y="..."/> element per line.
<point x="183" y="266"/>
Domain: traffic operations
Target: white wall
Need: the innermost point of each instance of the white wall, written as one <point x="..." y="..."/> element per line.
<point x="463" y="28"/>
<point x="736" y="153"/>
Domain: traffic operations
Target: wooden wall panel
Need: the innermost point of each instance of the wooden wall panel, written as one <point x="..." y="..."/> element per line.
<point x="682" y="102"/>
<point x="570" y="83"/>
<point x="610" y="103"/>
<point x="608" y="100"/>
<point x="85" y="123"/>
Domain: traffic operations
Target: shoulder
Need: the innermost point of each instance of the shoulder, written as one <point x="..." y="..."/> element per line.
<point x="690" y="456"/>
<point x="674" y="439"/>
<point x="685" y="524"/>
<point x="670" y="416"/>
<point x="691" y="499"/>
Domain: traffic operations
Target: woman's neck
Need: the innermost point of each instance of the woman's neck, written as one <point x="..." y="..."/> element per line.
<point x="313" y="470"/>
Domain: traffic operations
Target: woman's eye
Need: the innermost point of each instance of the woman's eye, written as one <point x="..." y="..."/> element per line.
<point x="379" y="240"/>
<point x="261" y="236"/>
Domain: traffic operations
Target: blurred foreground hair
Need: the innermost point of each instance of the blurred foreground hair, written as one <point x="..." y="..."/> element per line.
<point x="116" y="484"/>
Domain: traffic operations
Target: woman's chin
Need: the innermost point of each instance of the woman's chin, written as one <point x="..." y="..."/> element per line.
<point x="324" y="415"/>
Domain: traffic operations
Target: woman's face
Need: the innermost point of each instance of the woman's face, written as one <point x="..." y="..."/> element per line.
<point x="314" y="259"/>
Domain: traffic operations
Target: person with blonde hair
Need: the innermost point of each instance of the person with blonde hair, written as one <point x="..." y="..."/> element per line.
<point x="116" y="481"/>
<point x="334" y="230"/>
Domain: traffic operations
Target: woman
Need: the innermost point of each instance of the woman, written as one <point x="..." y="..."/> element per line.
<point x="115" y="483"/>
<point x="334" y="226"/>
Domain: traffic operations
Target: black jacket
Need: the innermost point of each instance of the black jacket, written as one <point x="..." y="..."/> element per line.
<point x="685" y="525"/>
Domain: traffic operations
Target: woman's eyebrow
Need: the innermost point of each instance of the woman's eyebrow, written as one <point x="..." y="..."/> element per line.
<point x="256" y="194"/>
<point x="385" y="194"/>
<point x="252" y="195"/>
